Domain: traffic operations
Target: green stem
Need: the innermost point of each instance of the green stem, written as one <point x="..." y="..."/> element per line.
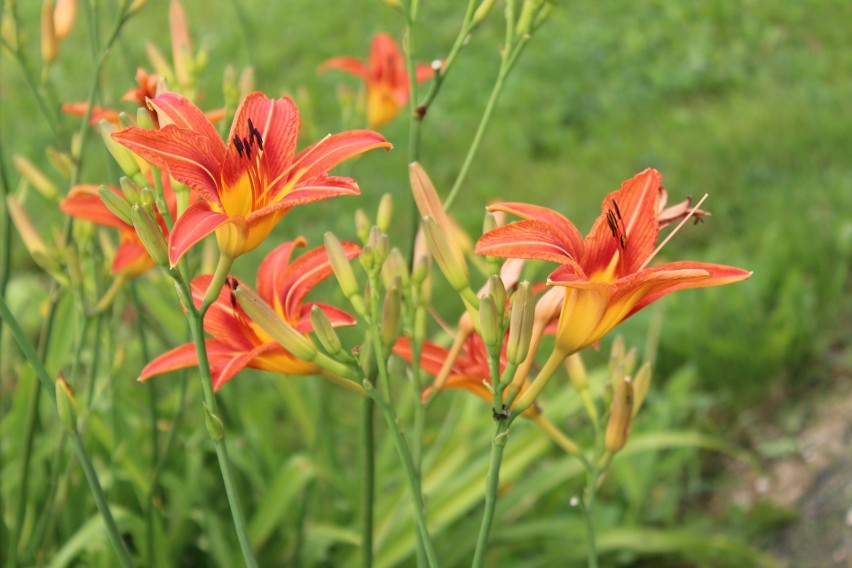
<point x="492" y="484"/>
<point x="588" y="511"/>
<point x="508" y="61"/>
<point x="197" y="330"/>
<point x="368" y="481"/>
<point x="80" y="449"/>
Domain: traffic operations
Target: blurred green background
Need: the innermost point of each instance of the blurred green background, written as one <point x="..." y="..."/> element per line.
<point x="748" y="101"/>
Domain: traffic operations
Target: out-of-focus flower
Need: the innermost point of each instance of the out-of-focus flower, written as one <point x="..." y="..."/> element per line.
<point x="386" y="78"/>
<point x="237" y="342"/>
<point x="248" y="185"/>
<point x="469" y="370"/>
<point x="606" y="275"/>
<point x="131" y="258"/>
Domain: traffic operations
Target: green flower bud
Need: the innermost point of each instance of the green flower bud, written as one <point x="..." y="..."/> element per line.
<point x="150" y="234"/>
<point x="362" y="225"/>
<point x="60" y="161"/>
<point x="489" y="323"/>
<point x="380" y="244"/>
<point x="143" y="119"/>
<point x="367" y="258"/>
<point x="384" y="215"/>
<point x="420" y="271"/>
<point x="116" y="204"/>
<point x="641" y="384"/>
<point x="521" y="325"/>
<point x="122" y="156"/>
<point x="66" y="406"/>
<point x="395" y="267"/>
<point x="497" y="289"/>
<point x="147" y="199"/>
<point x="125" y="120"/>
<point x="340" y="265"/>
<point x="281" y="331"/>
<point x="391" y="315"/>
<point x="131" y="190"/>
<point x="577" y="371"/>
<point x="620" y="417"/>
<point x="482" y="11"/>
<point x="325" y="332"/>
<point x="452" y="268"/>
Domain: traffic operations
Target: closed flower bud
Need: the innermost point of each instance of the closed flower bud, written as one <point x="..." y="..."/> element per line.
<point x="384" y="215"/>
<point x="520" y="328"/>
<point x="395" y="267"/>
<point x="147" y="199"/>
<point x="391" y="320"/>
<point x="362" y="225"/>
<point x="66" y="406"/>
<point x="325" y="332"/>
<point x="49" y="42"/>
<point x="143" y="118"/>
<point x="616" y="353"/>
<point x="150" y="234"/>
<point x="482" y="11"/>
<point x="63" y="18"/>
<point x="367" y="258"/>
<point x="60" y="161"/>
<point x="116" y="204"/>
<point x="641" y="384"/>
<point x="630" y="359"/>
<point x="489" y="223"/>
<point x="497" y="289"/>
<point x="489" y="323"/>
<point x="36" y="178"/>
<point x="454" y="270"/>
<point x="577" y="371"/>
<point x="131" y="190"/>
<point x="122" y="156"/>
<point x="340" y="265"/>
<point x="420" y="271"/>
<point x="380" y="244"/>
<point x="281" y="331"/>
<point x="125" y="120"/>
<point x="32" y="241"/>
<point x="620" y="417"/>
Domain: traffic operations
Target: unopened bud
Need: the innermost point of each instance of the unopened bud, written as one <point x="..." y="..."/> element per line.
<point x="608" y="395"/>
<point x="147" y="199"/>
<point x="616" y="353"/>
<point x="35" y="178"/>
<point x="521" y="325"/>
<point x="66" y="406"/>
<point x="454" y="270"/>
<point x="49" y="42"/>
<point x="543" y="14"/>
<point x="122" y="156"/>
<point x="214" y="424"/>
<point x="362" y="225"/>
<point x="340" y="265"/>
<point x="150" y="234"/>
<point x="630" y="359"/>
<point x="60" y="161"/>
<point x="391" y="320"/>
<point x="63" y="18"/>
<point x="125" y="120"/>
<point x="384" y="215"/>
<point x="380" y="244"/>
<point x="395" y="267"/>
<point x="143" y="118"/>
<point x="32" y="241"/>
<point x="496" y="288"/>
<point x="489" y="324"/>
<point x="281" y="331"/>
<point x="482" y="11"/>
<point x="325" y="332"/>
<point x="131" y="190"/>
<point x="620" y="417"/>
<point x="420" y="271"/>
<point x="116" y="204"/>
<point x="367" y="258"/>
<point x="577" y="371"/>
<point x="641" y="384"/>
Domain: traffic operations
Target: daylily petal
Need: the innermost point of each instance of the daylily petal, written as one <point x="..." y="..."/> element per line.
<point x="273" y="271"/>
<point x="84" y="202"/>
<point x="224" y="320"/>
<point x="315" y="189"/>
<point x="194" y="224"/>
<point x="531" y="239"/>
<point x="324" y="155"/>
<point x="335" y="315"/>
<point x="178" y="358"/>
<point x="573" y="240"/>
<point x="347" y="65"/>
<point x="423" y="72"/>
<point x="226" y="363"/>
<point x="305" y="273"/>
<point x="189" y="156"/>
<point x="131" y="258"/>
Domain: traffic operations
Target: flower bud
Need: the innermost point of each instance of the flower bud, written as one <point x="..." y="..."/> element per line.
<point x="116" y="204"/>
<point x="496" y="288"/>
<point x="66" y="406"/>
<point x="60" y="161"/>
<point x="36" y="178"/>
<point x="367" y="258"/>
<point x="489" y="323"/>
<point x="454" y="270"/>
<point x="482" y="11"/>
<point x="63" y="18"/>
<point x="125" y="120"/>
<point x="641" y="384"/>
<point x="150" y="234"/>
<point x="577" y="371"/>
<point x="143" y="119"/>
<point x="122" y="156"/>
<point x="521" y="325"/>
<point x="420" y="271"/>
<point x="32" y="241"/>
<point x="340" y="265"/>
<point x="362" y="225"/>
<point x="630" y="361"/>
<point x="214" y="424"/>
<point x="616" y="353"/>
<point x="325" y="332"/>
<point x="147" y="199"/>
<point x="391" y="310"/>
<point x="49" y="42"/>
<point x="131" y="190"/>
<point x="380" y="244"/>
<point x="384" y="215"/>
<point x="395" y="267"/>
<point x="281" y="331"/>
<point x="620" y="417"/>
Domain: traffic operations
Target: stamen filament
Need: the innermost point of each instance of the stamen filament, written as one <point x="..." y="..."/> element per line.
<point x="670" y="235"/>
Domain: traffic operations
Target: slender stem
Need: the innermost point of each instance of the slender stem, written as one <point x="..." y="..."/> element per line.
<point x="197" y="330"/>
<point x="368" y="481"/>
<point x="588" y="513"/>
<point x="492" y="484"/>
<point x="506" y="65"/>
<point x="80" y="449"/>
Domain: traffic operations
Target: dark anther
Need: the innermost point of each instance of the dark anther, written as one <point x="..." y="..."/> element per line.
<point x="238" y="144"/>
<point x="616" y="225"/>
<point x="617" y="210"/>
<point x="254" y="134"/>
<point x="247" y="147"/>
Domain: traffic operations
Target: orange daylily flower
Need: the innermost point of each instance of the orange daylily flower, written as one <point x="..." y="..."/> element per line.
<point x="237" y="342"/>
<point x="131" y="258"/>
<point x="469" y="370"/>
<point x="606" y="275"/>
<point x="248" y="185"/>
<point x="387" y="81"/>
